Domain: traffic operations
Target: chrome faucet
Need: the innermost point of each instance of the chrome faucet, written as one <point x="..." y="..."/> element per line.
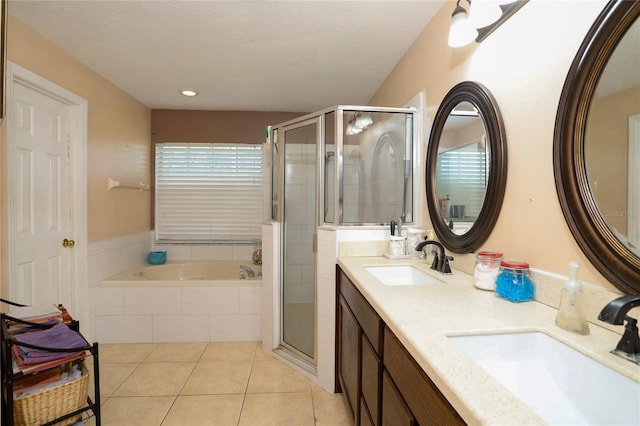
<point x="440" y="260"/>
<point x="248" y="270"/>
<point x="616" y="313"/>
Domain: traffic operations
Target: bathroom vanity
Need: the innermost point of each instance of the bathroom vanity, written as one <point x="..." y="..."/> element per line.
<point x="382" y="382"/>
<point x="397" y="362"/>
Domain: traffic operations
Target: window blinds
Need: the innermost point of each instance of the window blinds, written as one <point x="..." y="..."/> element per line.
<point x="461" y="174"/>
<point x="208" y="192"/>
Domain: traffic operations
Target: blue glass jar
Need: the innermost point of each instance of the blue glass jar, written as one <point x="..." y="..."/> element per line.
<point x="514" y="282"/>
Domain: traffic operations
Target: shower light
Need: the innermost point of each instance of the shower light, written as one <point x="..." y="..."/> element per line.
<point x="189" y="93"/>
<point x="363" y="121"/>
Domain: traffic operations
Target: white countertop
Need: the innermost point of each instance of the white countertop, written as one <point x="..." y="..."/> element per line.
<point x="423" y="316"/>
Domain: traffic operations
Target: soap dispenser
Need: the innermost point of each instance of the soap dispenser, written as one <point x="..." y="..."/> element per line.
<point x="571" y="314"/>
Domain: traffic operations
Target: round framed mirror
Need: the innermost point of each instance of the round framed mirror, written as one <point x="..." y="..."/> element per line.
<point x="466" y="167"/>
<point x="596" y="151"/>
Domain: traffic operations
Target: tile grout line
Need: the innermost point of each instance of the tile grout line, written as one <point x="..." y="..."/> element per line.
<point x="184" y="384"/>
<point x="246" y="388"/>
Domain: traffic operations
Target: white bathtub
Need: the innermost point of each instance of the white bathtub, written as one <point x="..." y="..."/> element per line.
<point x="197" y="301"/>
<point x="192" y="273"/>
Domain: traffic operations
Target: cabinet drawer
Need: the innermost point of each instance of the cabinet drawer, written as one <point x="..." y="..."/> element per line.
<point x="369" y="321"/>
<point x="425" y="401"/>
<point x="371" y="370"/>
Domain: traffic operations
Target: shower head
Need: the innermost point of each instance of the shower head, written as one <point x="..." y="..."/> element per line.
<point x="330" y="154"/>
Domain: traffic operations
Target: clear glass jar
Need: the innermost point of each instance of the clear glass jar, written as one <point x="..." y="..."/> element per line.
<point x="257" y="254"/>
<point x="514" y="282"/>
<point x="486" y="269"/>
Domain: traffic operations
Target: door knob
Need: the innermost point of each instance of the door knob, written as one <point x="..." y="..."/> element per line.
<point x="68" y="243"/>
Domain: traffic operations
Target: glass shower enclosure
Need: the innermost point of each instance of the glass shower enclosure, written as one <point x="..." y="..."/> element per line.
<point x="343" y="166"/>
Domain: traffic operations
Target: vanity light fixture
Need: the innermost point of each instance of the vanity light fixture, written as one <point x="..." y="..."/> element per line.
<point x="484" y="12"/>
<point x="189" y="93"/>
<point x="461" y="32"/>
<point x="483" y="18"/>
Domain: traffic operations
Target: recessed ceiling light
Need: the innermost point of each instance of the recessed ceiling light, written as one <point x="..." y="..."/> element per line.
<point x="189" y="93"/>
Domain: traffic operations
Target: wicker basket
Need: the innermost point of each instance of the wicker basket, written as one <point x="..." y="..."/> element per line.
<point x="52" y="403"/>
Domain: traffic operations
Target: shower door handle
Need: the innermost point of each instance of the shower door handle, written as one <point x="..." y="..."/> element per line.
<point x="315" y="242"/>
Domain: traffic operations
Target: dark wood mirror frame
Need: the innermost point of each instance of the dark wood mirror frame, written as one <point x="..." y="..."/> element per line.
<point x="479" y="96"/>
<point x="616" y="262"/>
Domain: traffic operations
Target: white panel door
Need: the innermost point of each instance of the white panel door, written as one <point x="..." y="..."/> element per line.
<point x="39" y="199"/>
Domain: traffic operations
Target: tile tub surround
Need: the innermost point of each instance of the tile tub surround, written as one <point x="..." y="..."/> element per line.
<point x="423" y="316"/>
<point x="178" y="314"/>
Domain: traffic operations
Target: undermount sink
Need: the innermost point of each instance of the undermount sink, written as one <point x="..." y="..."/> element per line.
<point x="560" y="384"/>
<point x="401" y="275"/>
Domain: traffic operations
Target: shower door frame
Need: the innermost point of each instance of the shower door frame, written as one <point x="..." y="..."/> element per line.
<point x="286" y="349"/>
<point x="276" y="203"/>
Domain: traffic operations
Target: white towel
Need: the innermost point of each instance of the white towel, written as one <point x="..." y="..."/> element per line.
<point x="32" y="312"/>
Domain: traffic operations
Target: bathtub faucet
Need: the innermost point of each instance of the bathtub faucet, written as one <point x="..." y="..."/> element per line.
<point x="246" y="269"/>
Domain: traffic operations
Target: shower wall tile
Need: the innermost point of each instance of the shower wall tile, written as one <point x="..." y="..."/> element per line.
<point x="293" y="273"/>
<point x="326" y="303"/>
<point x="326" y="351"/>
<point x="300" y="293"/>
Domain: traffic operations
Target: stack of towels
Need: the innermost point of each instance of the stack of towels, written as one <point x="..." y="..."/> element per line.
<point x="47" y="314"/>
<point x="58" y="337"/>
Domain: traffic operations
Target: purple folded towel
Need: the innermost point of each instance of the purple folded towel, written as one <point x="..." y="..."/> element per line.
<point x="57" y="337"/>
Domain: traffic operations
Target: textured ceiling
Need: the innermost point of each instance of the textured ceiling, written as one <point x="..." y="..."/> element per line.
<point x="297" y="56"/>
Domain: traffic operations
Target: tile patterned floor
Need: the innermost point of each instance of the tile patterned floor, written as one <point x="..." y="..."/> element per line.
<point x="191" y="384"/>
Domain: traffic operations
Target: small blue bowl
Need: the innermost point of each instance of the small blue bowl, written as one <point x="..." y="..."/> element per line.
<point x="157" y="257"/>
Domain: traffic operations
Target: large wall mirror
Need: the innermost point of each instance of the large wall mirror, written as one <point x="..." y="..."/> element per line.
<point x="466" y="167"/>
<point x="597" y="145"/>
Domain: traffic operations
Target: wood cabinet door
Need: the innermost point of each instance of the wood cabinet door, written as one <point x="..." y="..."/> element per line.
<point x="423" y="397"/>
<point x="394" y="410"/>
<point x="365" y="416"/>
<point x="371" y="371"/>
<point x="349" y="356"/>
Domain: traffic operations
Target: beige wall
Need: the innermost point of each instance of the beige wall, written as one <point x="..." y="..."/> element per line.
<point x="118" y="134"/>
<point x="524" y="64"/>
<point x="607" y="148"/>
